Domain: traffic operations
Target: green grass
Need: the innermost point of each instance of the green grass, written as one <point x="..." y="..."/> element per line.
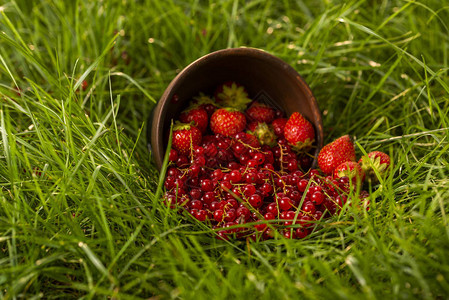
<point x="78" y="212"/>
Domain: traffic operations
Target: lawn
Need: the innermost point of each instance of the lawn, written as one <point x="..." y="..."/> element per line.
<point x="79" y="215"/>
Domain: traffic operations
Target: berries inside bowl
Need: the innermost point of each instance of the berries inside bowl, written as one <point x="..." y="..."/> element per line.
<point x="265" y="78"/>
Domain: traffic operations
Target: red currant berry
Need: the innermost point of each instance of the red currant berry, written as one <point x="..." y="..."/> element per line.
<point x="318" y="215"/>
<point x="255" y="200"/>
<point x="288" y="233"/>
<point x="201" y="215"/>
<point x="289" y="215"/>
<point x="223" y="144"/>
<point x="232" y="203"/>
<point x="173" y="156"/>
<point x="269" y="167"/>
<point x="230" y="215"/>
<point x="301" y="232"/>
<point x="285" y="203"/>
<point x="210" y="150"/>
<point x="238" y="148"/>
<point x="252" y="163"/>
<point x="340" y="200"/>
<point x="251" y="177"/>
<point x="244" y="158"/>
<point x="305" y="220"/>
<point x="235" y="176"/>
<point x="226" y="185"/>
<point x="292" y="165"/>
<point x="174" y="172"/>
<point x="295" y="196"/>
<point x="182" y="161"/>
<point x="194" y="170"/>
<point x="298" y="173"/>
<point x="279" y="182"/>
<point x="267" y="189"/>
<point x="214" y="205"/>
<point x="272" y="208"/>
<point x="207" y="185"/>
<point x="169" y="182"/>
<point x="260" y="227"/>
<point x="240" y="136"/>
<point x="196" y="204"/>
<point x="218" y="215"/>
<point x="269" y="216"/>
<point x="244" y="213"/>
<point x="195" y="193"/>
<point x="199" y="151"/>
<point x="233" y="165"/>
<point x="249" y="190"/>
<point x="314" y="173"/>
<point x="317" y="197"/>
<point x="309" y="207"/>
<point x="208" y="197"/>
<point x="302" y="185"/>
<point x="259" y="158"/>
<point x="217" y="174"/>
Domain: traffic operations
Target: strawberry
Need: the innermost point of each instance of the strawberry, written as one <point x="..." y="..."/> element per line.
<point x="350" y="169"/>
<point x="185" y="136"/>
<point x="335" y="153"/>
<point x="278" y="126"/>
<point x="232" y="94"/>
<point x="196" y="115"/>
<point x="263" y="132"/>
<point x="260" y="112"/>
<point x="227" y="121"/>
<point x="299" y="132"/>
<point x="375" y="160"/>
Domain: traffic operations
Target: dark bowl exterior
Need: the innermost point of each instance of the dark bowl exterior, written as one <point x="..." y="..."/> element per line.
<point x="266" y="77"/>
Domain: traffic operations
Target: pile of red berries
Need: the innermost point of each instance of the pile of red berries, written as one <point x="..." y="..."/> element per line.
<point x="243" y="168"/>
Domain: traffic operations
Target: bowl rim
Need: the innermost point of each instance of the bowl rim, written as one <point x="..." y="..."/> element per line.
<point x="157" y="120"/>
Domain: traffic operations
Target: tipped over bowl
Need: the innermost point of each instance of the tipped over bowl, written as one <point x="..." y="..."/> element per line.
<point x="266" y="78"/>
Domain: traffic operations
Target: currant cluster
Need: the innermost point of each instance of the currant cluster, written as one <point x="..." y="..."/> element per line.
<point x="231" y="181"/>
<point x="253" y="181"/>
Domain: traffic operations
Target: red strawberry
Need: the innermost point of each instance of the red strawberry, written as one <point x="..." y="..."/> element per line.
<point x="299" y="132"/>
<point x="334" y="154"/>
<point x="185" y="136"/>
<point x="197" y="115"/>
<point x="278" y="126"/>
<point x="232" y="94"/>
<point x="375" y="160"/>
<point x="260" y="112"/>
<point x="350" y="169"/>
<point x="227" y="121"/>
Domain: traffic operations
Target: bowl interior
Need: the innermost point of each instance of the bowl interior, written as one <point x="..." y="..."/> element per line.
<point x="267" y="79"/>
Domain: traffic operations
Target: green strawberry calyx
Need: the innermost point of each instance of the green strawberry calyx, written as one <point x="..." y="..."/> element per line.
<point x="230" y="109"/>
<point x="203" y="99"/>
<point x="182" y="126"/>
<point x="234" y="96"/>
<point x="303" y="147"/>
<point x="370" y="164"/>
<point x="264" y="134"/>
<point x="373" y="163"/>
<point x="350" y="173"/>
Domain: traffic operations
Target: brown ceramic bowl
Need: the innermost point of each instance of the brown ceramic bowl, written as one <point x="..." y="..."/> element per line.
<point x="266" y="78"/>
